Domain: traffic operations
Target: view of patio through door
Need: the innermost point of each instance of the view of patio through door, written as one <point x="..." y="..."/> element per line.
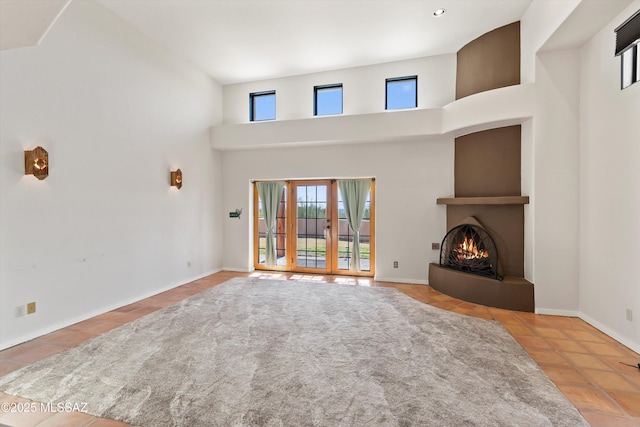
<point x="312" y="227"/>
<point x="311" y="232"/>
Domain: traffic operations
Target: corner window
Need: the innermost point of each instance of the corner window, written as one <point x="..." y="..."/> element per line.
<point x="402" y="92"/>
<point x="630" y="66"/>
<point x="327" y="100"/>
<point x="263" y="106"/>
<point x="637" y="63"/>
<point x="627" y="40"/>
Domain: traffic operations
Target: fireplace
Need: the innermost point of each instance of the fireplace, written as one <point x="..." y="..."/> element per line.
<point x="482" y="254"/>
<point x="469" y="248"/>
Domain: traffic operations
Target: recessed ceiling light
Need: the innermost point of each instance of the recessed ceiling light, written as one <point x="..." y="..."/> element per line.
<point x="439" y="12"/>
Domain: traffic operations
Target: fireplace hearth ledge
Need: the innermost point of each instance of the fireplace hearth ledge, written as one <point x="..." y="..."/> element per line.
<point x="511" y="293"/>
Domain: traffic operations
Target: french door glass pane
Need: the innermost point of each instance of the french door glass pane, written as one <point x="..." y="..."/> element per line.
<point x="280" y="235"/>
<point x="312" y="226"/>
<point x="345" y="237"/>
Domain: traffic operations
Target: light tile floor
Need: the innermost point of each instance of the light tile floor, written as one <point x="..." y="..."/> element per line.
<point x="583" y="362"/>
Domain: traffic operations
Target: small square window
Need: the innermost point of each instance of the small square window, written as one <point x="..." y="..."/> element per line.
<point x="327" y="100"/>
<point x="402" y="92"/>
<point x="263" y="106"/>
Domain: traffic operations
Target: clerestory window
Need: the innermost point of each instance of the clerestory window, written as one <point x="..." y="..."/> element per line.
<point x="262" y="106"/>
<point x="401" y="92"/>
<point x="327" y="100"/>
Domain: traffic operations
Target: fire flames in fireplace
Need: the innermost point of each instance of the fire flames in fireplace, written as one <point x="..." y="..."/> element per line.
<point x="469" y="248"/>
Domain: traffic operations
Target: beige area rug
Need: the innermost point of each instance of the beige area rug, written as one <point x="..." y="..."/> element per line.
<point x="255" y="352"/>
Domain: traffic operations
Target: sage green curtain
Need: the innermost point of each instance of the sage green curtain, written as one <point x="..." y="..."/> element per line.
<point x="271" y="194"/>
<point x="354" y="197"/>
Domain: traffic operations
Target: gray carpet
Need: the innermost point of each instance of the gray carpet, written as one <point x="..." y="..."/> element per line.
<point x="270" y="353"/>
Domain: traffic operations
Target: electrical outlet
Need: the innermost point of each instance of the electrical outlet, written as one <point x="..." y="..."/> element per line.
<point x="435" y="246"/>
<point x="21" y="310"/>
<point x="629" y="315"/>
<point x="395" y="264"/>
<point x="31" y="308"/>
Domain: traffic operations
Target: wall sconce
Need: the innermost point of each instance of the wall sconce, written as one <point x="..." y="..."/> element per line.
<point x="176" y="178"/>
<point x="236" y="213"/>
<point x="36" y="163"/>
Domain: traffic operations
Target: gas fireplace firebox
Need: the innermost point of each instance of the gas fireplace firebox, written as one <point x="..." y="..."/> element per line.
<point x="470" y="269"/>
<point x="469" y="248"/>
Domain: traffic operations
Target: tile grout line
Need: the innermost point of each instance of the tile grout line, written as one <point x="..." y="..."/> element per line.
<point x="580" y="370"/>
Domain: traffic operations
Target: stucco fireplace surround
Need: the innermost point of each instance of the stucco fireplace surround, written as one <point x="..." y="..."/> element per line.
<point x="487" y="188"/>
<point x="487" y="196"/>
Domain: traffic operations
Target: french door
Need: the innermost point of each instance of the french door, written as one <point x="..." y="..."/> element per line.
<point x="312" y="234"/>
<point x="311" y="228"/>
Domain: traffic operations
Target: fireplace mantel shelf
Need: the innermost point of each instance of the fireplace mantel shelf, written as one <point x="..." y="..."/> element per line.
<point x="496" y="200"/>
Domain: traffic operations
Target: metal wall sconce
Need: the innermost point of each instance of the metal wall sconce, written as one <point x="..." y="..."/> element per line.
<point x="176" y="178"/>
<point x="236" y="213"/>
<point x="36" y="163"/>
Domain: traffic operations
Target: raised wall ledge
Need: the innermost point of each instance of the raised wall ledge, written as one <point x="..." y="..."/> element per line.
<point x="506" y="106"/>
<point x="496" y="200"/>
<point x="491" y="109"/>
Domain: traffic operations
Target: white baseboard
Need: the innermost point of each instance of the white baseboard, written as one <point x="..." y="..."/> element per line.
<point x="395" y="280"/>
<point x="555" y="312"/>
<point x="613" y="334"/>
<point x="237" y="269"/>
<point x="599" y="326"/>
<point x="106" y="309"/>
<point x="200" y="276"/>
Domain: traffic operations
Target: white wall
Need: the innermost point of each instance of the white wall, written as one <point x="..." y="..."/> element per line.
<point x="363" y="88"/>
<point x="409" y="178"/>
<point x="538" y="24"/>
<point x="609" y="189"/>
<point x="555" y="197"/>
<point x="412" y="167"/>
<point x="116" y="113"/>
<point x="410" y="175"/>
